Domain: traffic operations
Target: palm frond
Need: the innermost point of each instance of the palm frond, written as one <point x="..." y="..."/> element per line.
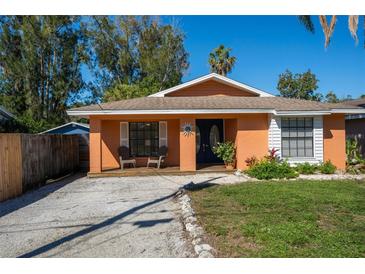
<point x="306" y="20"/>
<point x="353" y="25"/>
<point x="327" y="30"/>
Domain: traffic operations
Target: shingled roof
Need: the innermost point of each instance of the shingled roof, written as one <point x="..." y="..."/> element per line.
<point x="356" y="102"/>
<point x="197" y="103"/>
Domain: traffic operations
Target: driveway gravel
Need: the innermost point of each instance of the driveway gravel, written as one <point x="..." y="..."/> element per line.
<point x="101" y="217"/>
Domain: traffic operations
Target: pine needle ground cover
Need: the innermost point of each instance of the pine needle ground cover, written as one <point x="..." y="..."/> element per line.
<point x="284" y="219"/>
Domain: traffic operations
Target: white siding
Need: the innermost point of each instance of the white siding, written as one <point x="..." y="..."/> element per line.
<point x="318" y="137"/>
<point x="124" y="134"/>
<point x="275" y="133"/>
<point x="275" y="139"/>
<point x="163" y="134"/>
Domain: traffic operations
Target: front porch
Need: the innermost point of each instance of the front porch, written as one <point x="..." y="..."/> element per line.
<point x="151" y="171"/>
<point x="143" y="135"/>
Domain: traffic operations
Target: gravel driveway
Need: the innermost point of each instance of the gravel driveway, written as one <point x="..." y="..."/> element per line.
<point x="105" y="217"/>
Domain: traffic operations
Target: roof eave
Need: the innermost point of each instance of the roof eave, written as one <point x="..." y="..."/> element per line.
<point x="201" y="111"/>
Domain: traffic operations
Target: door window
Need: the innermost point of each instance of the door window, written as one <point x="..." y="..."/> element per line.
<point x="198" y="139"/>
<point x="214" y="136"/>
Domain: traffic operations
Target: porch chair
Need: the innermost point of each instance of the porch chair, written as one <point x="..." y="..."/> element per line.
<point x="123" y="152"/>
<point x="162" y="152"/>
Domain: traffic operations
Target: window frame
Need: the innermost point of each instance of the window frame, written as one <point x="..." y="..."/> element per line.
<point x="296" y="138"/>
<point x="135" y="139"/>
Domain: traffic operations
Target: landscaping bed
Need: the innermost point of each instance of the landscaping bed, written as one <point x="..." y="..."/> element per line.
<point x="284" y="218"/>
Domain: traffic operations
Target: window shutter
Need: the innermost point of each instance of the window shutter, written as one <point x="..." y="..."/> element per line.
<point x="162" y="133"/>
<point x="124" y="134"/>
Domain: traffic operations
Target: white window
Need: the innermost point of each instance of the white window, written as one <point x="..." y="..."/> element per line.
<point x="297" y="137"/>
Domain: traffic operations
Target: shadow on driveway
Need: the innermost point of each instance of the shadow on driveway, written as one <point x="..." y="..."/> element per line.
<point x="33" y="196"/>
<point x="149" y="223"/>
<point x="100" y="225"/>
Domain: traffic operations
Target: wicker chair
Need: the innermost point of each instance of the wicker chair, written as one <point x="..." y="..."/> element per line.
<point x="123" y="152"/>
<point x="160" y="159"/>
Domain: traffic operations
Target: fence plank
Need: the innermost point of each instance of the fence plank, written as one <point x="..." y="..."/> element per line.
<point x="10" y="166"/>
<point x="27" y="161"/>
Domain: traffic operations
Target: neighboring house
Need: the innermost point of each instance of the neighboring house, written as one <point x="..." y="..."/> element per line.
<point x="69" y="128"/>
<point x="355" y="124"/>
<point x="5" y="115"/>
<point x="192" y="117"/>
<point x="8" y="122"/>
<point x="78" y="129"/>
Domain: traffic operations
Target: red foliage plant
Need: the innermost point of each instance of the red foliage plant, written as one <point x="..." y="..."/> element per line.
<point x="251" y="161"/>
<point x="272" y="155"/>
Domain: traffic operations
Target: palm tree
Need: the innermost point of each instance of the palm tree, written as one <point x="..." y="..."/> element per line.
<point x="220" y="61"/>
<point x="353" y="22"/>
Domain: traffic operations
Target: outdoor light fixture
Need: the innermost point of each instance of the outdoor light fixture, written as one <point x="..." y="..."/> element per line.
<point x="187" y="129"/>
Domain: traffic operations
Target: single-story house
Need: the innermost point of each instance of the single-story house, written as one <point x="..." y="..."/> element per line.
<point x="355" y="124"/>
<point x="69" y="128"/>
<point x="80" y="129"/>
<point x="192" y="117"/>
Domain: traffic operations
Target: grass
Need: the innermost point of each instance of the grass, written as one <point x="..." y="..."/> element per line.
<point x="284" y="219"/>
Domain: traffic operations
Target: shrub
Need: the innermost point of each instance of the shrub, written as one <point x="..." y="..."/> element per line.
<point x="355" y="163"/>
<point x="306" y="168"/>
<point x="226" y="152"/>
<point x="353" y="152"/>
<point x="266" y="170"/>
<point x="272" y="156"/>
<point x="327" y="168"/>
<point x="251" y="161"/>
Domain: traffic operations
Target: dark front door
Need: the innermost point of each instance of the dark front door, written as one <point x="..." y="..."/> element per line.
<point x="208" y="133"/>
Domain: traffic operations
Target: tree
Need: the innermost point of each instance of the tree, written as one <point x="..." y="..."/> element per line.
<point x="137" y="51"/>
<point x="328" y="29"/>
<point x="220" y="60"/>
<point x="299" y="86"/>
<point x="120" y="92"/>
<point x="362" y="96"/>
<point x="331" y="97"/>
<point x="40" y="67"/>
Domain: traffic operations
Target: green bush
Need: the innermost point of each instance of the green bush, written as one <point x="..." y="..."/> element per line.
<point x="353" y="152"/>
<point x="226" y="152"/>
<point x="327" y="168"/>
<point x="355" y="163"/>
<point x="306" y="168"/>
<point x="266" y="170"/>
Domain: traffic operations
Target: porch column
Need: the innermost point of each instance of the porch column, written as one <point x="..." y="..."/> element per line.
<point x="187" y="146"/>
<point x="95" y="145"/>
<point x="252" y="138"/>
<point x="334" y="140"/>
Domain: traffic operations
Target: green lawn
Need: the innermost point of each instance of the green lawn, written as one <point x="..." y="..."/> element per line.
<point x="284" y="219"/>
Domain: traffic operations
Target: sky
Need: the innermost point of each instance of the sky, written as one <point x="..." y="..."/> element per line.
<point x="266" y="46"/>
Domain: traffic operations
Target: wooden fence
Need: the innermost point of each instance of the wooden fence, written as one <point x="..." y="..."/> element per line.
<point x="28" y="161"/>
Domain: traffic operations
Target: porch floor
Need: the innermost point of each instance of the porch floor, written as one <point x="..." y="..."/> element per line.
<point x="150" y="171"/>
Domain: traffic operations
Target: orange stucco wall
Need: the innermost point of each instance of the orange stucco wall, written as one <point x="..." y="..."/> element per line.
<point x="187" y="146"/>
<point x="230" y="130"/>
<point x="252" y="138"/>
<point x="95" y="145"/>
<point x="110" y="142"/>
<point x="334" y="140"/>
<point x="210" y="88"/>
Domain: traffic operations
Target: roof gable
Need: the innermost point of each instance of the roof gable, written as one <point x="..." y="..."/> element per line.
<point x="6" y="114"/>
<point x="68" y="128"/>
<point x="222" y="80"/>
